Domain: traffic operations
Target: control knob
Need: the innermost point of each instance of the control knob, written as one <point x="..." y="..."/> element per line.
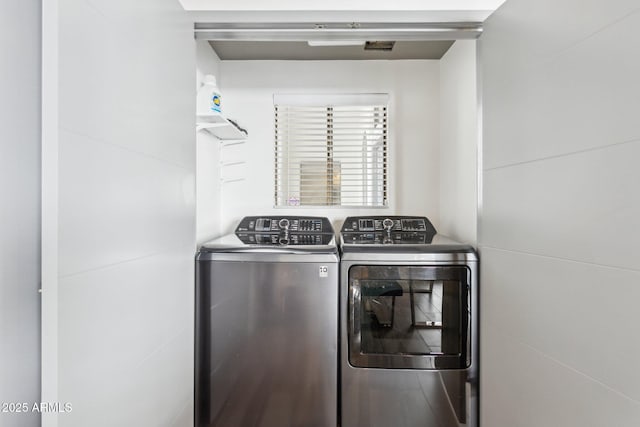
<point x="387" y="223"/>
<point x="284" y="223"/>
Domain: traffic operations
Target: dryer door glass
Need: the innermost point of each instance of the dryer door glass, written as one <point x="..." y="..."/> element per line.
<point x="409" y="317"/>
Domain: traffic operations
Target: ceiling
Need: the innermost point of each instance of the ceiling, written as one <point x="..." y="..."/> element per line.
<point x="340" y="10"/>
<point x="341" y="5"/>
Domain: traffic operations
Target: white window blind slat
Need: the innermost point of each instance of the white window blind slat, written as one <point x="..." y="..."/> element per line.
<point x="331" y="153"/>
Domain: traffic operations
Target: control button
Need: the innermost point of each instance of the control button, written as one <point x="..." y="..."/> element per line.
<point x="366" y="225"/>
<point x="263" y="224"/>
<point x="310" y="225"/>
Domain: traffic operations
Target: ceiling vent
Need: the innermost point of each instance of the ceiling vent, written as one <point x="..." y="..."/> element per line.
<point x="386" y="46"/>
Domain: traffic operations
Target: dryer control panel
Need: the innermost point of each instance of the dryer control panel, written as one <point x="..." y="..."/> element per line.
<point x="387" y="229"/>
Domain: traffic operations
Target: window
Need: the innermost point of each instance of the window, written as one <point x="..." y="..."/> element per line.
<point x="331" y="150"/>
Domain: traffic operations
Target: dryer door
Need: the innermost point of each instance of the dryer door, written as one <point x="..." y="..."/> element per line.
<point x="409" y="317"/>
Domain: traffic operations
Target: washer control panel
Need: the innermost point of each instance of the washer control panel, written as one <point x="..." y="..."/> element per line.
<point x="285" y="230"/>
<point x="276" y="223"/>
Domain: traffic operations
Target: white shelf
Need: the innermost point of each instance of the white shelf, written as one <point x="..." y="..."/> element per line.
<point x="220" y="127"/>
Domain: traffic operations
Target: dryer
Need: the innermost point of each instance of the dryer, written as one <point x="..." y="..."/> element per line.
<point x="409" y="325"/>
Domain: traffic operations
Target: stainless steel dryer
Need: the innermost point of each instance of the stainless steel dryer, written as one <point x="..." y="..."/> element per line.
<point x="409" y="325"/>
<point x="266" y="345"/>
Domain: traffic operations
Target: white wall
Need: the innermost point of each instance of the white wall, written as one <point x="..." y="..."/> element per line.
<point x="126" y="213"/>
<point x="20" y="211"/>
<point x="459" y="142"/>
<point x="413" y="86"/>
<point x="560" y="219"/>
<point x="208" y="191"/>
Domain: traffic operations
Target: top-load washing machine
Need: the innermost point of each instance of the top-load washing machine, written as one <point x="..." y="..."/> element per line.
<point x="409" y="325"/>
<point x="267" y="325"/>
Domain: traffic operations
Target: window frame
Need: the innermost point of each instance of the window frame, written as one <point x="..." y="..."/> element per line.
<point x="374" y="187"/>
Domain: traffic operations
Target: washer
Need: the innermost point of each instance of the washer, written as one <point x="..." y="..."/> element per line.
<point x="409" y="325"/>
<point x="266" y="322"/>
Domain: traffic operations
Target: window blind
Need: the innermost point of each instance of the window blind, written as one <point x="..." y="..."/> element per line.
<point x="333" y="154"/>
